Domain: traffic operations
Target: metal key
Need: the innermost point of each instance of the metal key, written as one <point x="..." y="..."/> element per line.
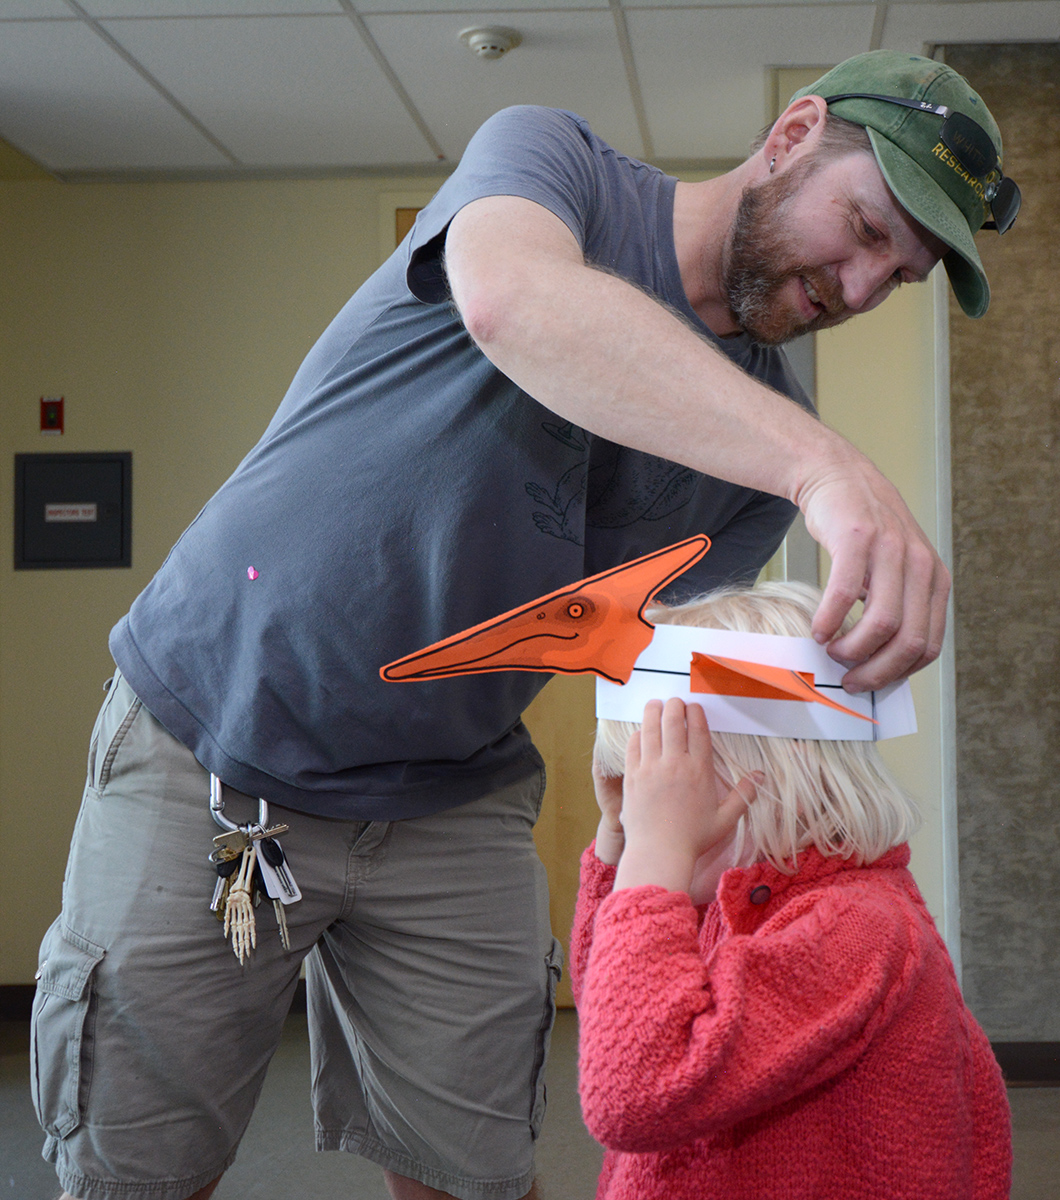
<point x="229" y="845"/>
<point x="225" y="870"/>
<point x="272" y="885"/>
<point x="281" y="924"/>
<point x="233" y="842"/>
<point x="257" y="832"/>
<point x="272" y="852"/>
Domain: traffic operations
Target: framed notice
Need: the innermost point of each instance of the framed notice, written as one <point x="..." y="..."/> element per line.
<point x="73" y="510"/>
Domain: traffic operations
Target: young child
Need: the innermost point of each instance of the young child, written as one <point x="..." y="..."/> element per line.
<point x="767" y="1011"/>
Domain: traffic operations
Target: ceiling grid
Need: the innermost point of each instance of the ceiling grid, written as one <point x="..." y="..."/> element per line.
<point x="98" y="89"/>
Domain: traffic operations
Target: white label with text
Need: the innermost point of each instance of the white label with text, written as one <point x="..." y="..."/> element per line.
<point x="70" y="512"/>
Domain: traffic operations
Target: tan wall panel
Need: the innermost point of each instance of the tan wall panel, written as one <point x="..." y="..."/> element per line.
<point x="876" y="384"/>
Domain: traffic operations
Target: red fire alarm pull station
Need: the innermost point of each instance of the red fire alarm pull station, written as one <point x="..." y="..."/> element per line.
<point x="51" y="415"/>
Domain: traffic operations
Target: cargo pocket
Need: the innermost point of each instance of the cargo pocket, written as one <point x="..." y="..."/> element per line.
<point x="554" y="967"/>
<point x="59" y="1070"/>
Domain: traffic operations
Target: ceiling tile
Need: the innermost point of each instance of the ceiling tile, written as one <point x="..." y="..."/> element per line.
<point x="911" y="26"/>
<point x="71" y="103"/>
<point x="476" y="8"/>
<point x="704" y="72"/>
<point x="300" y="91"/>
<point x="566" y="60"/>
<point x="715" y="4"/>
<point x="15" y="10"/>
<point x="283" y="84"/>
<point x="207" y="8"/>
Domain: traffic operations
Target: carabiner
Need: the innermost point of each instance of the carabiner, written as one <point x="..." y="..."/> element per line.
<point x="217" y="807"/>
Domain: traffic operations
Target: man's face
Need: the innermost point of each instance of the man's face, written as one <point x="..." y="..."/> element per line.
<point x="818" y="244"/>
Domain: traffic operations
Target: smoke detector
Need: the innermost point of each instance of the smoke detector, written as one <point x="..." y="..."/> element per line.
<point x="490" y="41"/>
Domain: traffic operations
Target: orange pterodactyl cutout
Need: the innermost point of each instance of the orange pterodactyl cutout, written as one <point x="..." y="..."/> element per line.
<point x="595" y="625"/>
<point x="719" y="676"/>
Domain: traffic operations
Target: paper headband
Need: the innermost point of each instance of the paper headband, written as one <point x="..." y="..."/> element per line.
<point x="747" y="683"/>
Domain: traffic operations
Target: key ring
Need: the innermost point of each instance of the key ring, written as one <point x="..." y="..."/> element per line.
<point x="217" y="807"/>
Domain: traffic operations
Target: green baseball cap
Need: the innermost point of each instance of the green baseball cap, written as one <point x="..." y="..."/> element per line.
<point x="927" y="180"/>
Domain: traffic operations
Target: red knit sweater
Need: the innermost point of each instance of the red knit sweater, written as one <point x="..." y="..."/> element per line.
<point x="801" y="1038"/>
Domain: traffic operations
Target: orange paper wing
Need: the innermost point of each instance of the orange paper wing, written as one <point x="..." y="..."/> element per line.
<point x="595" y="626"/>
<point x="719" y="676"/>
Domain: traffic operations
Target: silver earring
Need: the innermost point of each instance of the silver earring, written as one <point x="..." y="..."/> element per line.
<point x="772" y="164"/>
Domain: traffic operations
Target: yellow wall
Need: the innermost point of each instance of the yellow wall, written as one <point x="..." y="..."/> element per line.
<point x="562" y="721"/>
<point x="171" y="318"/>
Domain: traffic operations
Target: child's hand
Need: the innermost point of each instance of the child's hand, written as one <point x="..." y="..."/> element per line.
<point x="610" y="839"/>
<point x="674" y="808"/>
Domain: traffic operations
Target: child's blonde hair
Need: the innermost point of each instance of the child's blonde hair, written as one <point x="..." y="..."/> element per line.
<point x="837" y="796"/>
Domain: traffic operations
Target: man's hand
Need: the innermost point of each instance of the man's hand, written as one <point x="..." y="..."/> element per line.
<point x="882" y="556"/>
<point x="673" y="807"/>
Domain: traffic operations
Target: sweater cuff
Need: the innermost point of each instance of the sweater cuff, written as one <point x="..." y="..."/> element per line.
<point x="596" y="878"/>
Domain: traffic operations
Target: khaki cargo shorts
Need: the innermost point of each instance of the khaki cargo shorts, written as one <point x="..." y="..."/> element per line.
<point x="431" y="973"/>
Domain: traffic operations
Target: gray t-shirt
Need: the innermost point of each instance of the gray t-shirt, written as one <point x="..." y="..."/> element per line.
<point x="405" y="490"/>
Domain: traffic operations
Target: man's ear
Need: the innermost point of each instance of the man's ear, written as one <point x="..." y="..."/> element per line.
<point x="796" y="131"/>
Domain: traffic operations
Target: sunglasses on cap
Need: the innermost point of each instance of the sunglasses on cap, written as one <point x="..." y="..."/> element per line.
<point x="972" y="147"/>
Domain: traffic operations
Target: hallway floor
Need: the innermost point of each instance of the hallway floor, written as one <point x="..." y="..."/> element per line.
<point x="277" y="1160"/>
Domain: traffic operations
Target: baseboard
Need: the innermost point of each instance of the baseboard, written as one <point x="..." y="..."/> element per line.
<point x="16" y="1001"/>
<point x="1029" y="1064"/>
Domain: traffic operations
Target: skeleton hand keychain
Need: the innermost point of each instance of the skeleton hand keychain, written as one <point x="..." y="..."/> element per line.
<point x="250" y="863"/>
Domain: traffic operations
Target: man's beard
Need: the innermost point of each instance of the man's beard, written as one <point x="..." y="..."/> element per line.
<point x="758" y="264"/>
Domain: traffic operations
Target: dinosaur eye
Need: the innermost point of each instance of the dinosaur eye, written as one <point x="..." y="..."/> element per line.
<point x="577" y="609"/>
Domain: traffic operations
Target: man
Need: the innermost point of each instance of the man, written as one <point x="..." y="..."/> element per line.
<point x="570" y="362"/>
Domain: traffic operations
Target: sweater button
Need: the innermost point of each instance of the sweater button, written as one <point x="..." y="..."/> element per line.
<point x="761" y="894"/>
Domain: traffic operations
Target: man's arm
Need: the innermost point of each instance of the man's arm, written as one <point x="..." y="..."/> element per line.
<point x="599" y="352"/>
